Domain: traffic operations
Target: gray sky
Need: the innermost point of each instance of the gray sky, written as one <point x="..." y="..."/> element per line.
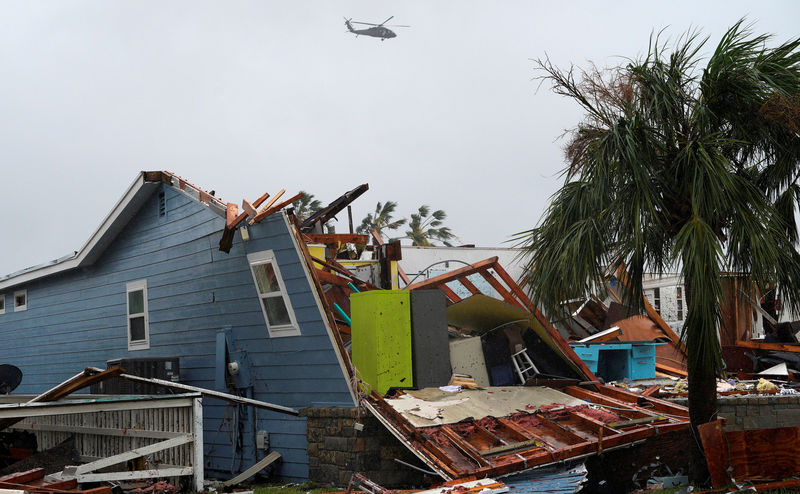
<point x="246" y="97"/>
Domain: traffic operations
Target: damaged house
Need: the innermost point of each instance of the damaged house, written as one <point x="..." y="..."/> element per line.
<point x="264" y="306"/>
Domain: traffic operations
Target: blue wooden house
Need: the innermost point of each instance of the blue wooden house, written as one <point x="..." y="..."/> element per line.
<point x="152" y="282"/>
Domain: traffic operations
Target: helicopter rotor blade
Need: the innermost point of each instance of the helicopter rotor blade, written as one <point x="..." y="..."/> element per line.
<point x="387" y="20"/>
<point x="395" y="25"/>
<point x="365" y="23"/>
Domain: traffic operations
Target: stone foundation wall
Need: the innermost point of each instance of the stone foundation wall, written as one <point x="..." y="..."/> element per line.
<point x="336" y="450"/>
<point x="745" y="412"/>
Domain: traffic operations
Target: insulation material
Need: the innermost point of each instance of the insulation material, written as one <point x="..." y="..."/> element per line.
<point x="476" y="403"/>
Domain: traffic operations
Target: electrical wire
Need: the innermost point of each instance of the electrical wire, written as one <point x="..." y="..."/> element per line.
<point x="434" y="264"/>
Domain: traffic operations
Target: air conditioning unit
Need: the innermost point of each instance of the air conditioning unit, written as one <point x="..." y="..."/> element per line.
<point x="165" y="368"/>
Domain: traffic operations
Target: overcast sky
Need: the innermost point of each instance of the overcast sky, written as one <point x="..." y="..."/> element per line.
<point x="245" y="97"/>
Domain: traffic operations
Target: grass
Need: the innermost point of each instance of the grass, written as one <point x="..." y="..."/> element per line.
<point x="304" y="488"/>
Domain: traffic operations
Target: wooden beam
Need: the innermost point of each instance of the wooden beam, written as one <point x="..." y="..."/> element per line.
<point x="514" y="287"/>
<point x="273" y="209"/>
<point x="453" y="296"/>
<point x="335" y="238"/>
<point x="134" y="453"/>
<point x="231" y="213"/>
<point x="780" y="347"/>
<point x="14" y="480"/>
<point x="76" y="382"/>
<point x="226" y="241"/>
<point x="454" y="275"/>
<point x="267" y="205"/>
<point x="333" y="279"/>
<point x="469" y="285"/>
<point x="510" y="299"/>
<point x="335" y="266"/>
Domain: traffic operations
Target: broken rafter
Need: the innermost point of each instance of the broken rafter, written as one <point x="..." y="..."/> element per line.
<point x="76" y="382"/>
<point x="266" y="207"/>
<point x="335" y="266"/>
<point x="226" y="241"/>
<point x="273" y="209"/>
<point x="335" y="238"/>
<point x="332" y="209"/>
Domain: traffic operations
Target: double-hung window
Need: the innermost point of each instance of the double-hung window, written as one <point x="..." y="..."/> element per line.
<point x="138" y="318"/>
<point x="272" y="294"/>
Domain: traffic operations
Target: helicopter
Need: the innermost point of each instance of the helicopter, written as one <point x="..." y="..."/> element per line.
<point x="377" y="31"/>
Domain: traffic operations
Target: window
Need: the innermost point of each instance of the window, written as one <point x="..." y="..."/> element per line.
<point x="2" y="303"/>
<point x="272" y="294"/>
<point x="657" y="300"/>
<point x="138" y="319"/>
<point x="20" y="300"/>
<point x="679" y="299"/>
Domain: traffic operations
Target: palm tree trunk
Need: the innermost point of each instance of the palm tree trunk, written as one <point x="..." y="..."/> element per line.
<point x="702" y="400"/>
<point x="702" y="409"/>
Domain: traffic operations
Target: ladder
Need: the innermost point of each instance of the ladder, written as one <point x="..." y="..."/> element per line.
<point x="523" y="365"/>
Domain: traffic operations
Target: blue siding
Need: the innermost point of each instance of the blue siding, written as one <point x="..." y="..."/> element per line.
<point x="78" y="318"/>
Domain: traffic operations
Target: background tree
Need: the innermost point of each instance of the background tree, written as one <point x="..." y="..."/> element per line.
<point x="426" y="227"/>
<point x="676" y="168"/>
<point x="381" y="221"/>
<point x="306" y="206"/>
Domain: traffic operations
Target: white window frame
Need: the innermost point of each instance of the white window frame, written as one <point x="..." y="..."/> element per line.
<point x="268" y="257"/>
<point x="20" y="308"/>
<point x="3" y="300"/>
<point x="135" y="286"/>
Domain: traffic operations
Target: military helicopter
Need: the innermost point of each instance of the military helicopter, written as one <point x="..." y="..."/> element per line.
<point x="377" y="31"/>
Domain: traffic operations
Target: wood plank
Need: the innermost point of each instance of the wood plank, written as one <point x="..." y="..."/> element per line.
<point x="453" y="275"/>
<point x="231" y="212"/>
<point x="780" y="347"/>
<point x="469" y="285"/>
<point x="14" y="480"/>
<point x="260" y="465"/>
<point x="642" y="400"/>
<point x="514" y="287"/>
<point x="716" y="451"/>
<point x="134" y="453"/>
<point x="453" y="296"/>
<point x="335" y="238"/>
<point x="504" y="293"/>
<point x="135" y="474"/>
<point x="674" y="371"/>
<point x="465" y="446"/>
<point x="273" y="209"/>
<point x="267" y="205"/>
<point x="335" y="266"/>
<point x="332" y="279"/>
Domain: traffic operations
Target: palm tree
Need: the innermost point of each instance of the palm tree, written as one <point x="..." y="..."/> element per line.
<point x="425" y="227"/>
<point x="674" y="167"/>
<point x="381" y="220"/>
<point x="305" y="206"/>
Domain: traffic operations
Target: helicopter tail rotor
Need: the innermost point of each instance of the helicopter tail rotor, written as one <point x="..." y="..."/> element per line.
<point x="347" y="23"/>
